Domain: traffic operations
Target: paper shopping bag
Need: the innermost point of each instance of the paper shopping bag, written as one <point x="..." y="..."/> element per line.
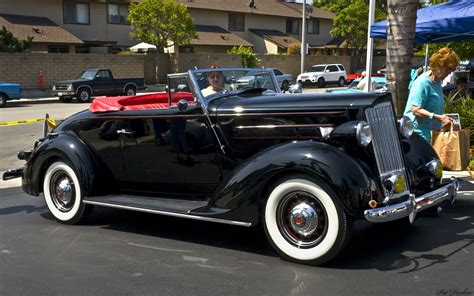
<point x="452" y="148"/>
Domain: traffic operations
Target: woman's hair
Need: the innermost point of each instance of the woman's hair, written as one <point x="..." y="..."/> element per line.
<point x="444" y="58"/>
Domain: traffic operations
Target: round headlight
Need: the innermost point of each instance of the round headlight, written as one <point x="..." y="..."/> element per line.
<point x="363" y="133"/>
<point x="406" y="126"/>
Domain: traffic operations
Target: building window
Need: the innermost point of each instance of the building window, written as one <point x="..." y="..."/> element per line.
<point x="117" y="14"/>
<point x="76" y="13"/>
<point x="313" y="27"/>
<point x="292" y="26"/>
<point x="236" y="22"/>
<point x="58" y="49"/>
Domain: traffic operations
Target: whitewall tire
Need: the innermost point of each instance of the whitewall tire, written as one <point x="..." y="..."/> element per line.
<point x="305" y="222"/>
<point x="63" y="195"/>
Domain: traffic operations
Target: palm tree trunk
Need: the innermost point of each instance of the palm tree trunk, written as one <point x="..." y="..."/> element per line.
<point x="400" y="36"/>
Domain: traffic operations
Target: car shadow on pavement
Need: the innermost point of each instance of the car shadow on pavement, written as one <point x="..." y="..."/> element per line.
<point x="404" y="248"/>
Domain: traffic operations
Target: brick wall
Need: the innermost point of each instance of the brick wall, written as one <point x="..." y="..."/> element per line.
<point x="24" y="68"/>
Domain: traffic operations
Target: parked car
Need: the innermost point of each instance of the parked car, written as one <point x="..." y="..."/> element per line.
<point x="358" y="73"/>
<point x="322" y="74"/>
<point x="305" y="166"/>
<point x="284" y="80"/>
<point x="96" y="82"/>
<point x="379" y="82"/>
<point x="9" y="91"/>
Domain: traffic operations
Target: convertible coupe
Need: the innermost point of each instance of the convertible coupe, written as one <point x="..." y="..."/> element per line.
<point x="304" y="166"/>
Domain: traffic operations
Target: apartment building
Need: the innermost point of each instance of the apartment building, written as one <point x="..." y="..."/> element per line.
<point x="83" y="26"/>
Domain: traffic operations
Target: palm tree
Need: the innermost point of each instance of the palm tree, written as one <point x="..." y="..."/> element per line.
<point x="401" y="33"/>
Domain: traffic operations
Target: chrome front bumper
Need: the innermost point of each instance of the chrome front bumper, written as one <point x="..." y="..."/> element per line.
<point x="414" y="204"/>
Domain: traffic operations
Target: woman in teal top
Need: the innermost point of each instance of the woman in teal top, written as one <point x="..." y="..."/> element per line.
<point x="425" y="105"/>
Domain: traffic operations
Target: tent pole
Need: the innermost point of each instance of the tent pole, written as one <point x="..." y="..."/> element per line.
<point x="370" y="48"/>
<point x="426" y="58"/>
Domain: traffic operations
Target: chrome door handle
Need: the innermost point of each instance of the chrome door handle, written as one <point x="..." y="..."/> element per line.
<point x="125" y="132"/>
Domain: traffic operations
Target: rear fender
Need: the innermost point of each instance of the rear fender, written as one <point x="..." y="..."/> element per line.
<point x="66" y="147"/>
<point x="246" y="190"/>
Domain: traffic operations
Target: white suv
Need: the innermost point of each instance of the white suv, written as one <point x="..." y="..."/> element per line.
<point x="322" y="74"/>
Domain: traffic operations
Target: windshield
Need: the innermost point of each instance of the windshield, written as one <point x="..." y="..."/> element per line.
<point x="87" y="75"/>
<point x="223" y="81"/>
<point x="316" y="69"/>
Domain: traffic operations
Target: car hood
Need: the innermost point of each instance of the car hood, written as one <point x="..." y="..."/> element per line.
<point x="292" y="102"/>
<point x="71" y="81"/>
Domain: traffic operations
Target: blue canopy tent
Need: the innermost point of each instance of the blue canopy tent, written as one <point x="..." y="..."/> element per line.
<point x="449" y="21"/>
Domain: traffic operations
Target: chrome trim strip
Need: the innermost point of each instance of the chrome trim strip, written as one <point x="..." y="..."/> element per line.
<point x="276" y="126"/>
<point x="237" y="223"/>
<point x="413" y="205"/>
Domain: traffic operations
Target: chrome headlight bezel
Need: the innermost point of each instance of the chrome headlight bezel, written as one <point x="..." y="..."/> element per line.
<point x="363" y="133"/>
<point x="435" y="168"/>
<point x="70" y="87"/>
<point x="406" y="126"/>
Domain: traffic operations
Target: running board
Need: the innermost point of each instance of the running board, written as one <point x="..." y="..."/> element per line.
<point x="162" y="206"/>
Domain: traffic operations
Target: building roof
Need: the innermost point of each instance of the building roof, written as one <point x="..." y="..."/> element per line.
<point x="263" y="7"/>
<point x="279" y="38"/>
<point x="42" y="29"/>
<point x="214" y="35"/>
<point x="311" y="11"/>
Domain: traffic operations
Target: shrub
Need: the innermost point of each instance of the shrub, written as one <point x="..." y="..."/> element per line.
<point x="249" y="59"/>
<point x="465" y="107"/>
<point x="294" y="48"/>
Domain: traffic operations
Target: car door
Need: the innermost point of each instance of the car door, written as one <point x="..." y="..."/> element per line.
<point x="103" y="84"/>
<point x="333" y="73"/>
<point x="170" y="152"/>
<point x="279" y="76"/>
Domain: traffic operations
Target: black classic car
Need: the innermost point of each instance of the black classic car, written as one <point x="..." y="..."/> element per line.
<point x="96" y="82"/>
<point x="304" y="166"/>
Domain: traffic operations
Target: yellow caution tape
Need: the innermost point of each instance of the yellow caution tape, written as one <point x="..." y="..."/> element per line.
<point x="51" y="122"/>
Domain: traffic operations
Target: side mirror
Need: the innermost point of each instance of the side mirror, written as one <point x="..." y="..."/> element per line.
<point x="295" y="88"/>
<point x="182" y="105"/>
<point x="327" y="71"/>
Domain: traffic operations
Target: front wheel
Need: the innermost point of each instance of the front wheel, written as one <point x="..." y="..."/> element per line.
<point x="321" y="82"/>
<point x="84" y="95"/>
<point x="304" y="221"/>
<point x="3" y="100"/>
<point x="63" y="195"/>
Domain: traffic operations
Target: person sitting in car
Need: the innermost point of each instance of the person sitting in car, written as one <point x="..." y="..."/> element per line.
<point x="216" y="82"/>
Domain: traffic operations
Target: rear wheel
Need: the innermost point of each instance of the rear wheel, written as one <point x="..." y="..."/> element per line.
<point x="341" y="81"/>
<point x="130" y="91"/>
<point x="321" y="82"/>
<point x="84" y="95"/>
<point x="63" y="194"/>
<point x="3" y="100"/>
<point x="304" y="221"/>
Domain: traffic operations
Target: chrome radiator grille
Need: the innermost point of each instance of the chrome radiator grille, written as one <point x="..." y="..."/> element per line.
<point x="386" y="143"/>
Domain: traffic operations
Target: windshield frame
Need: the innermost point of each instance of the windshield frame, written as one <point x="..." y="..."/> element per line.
<point x="196" y="89"/>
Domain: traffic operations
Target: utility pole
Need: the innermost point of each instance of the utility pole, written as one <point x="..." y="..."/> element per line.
<point x="303" y="37"/>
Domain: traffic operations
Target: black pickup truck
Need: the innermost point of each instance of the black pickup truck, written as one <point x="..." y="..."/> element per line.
<point x="96" y="82"/>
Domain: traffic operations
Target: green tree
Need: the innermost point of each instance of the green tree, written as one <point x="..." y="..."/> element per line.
<point x="249" y="59"/>
<point x="161" y="22"/>
<point x="351" y="20"/>
<point x="9" y="43"/>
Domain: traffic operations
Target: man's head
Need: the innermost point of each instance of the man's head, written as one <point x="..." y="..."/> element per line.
<point x="461" y="83"/>
<point x="216" y="79"/>
<point x="363" y="74"/>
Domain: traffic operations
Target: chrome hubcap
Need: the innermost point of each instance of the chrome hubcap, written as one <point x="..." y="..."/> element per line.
<point x="84" y="95"/>
<point x="302" y="219"/>
<point x="130" y="92"/>
<point x="62" y="191"/>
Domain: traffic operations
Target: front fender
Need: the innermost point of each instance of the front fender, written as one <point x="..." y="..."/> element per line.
<point x="246" y="189"/>
<point x="66" y="147"/>
<point x="418" y="152"/>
